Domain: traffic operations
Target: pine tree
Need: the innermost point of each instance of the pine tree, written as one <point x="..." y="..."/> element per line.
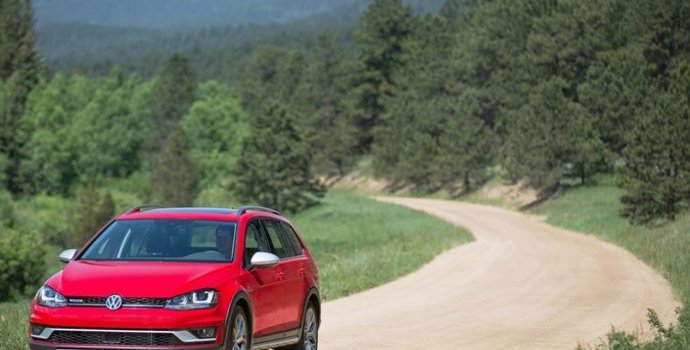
<point x="260" y="77"/>
<point x="454" y="10"/>
<point x="667" y="41"/>
<point x="95" y="208"/>
<point x="273" y="73"/>
<point x="274" y="168"/>
<point x="19" y="68"/>
<point x="406" y="140"/>
<point x="613" y="93"/>
<point x="656" y="174"/>
<point x="384" y="26"/>
<point x="467" y="146"/>
<point x="551" y="137"/>
<point x="328" y="126"/>
<point x="175" y="176"/>
<point x="173" y="94"/>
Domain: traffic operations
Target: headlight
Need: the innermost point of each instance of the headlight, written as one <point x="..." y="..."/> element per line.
<point x="201" y="299"/>
<point x="49" y="297"/>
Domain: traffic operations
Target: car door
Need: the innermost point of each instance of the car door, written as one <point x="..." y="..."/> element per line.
<point x="263" y="284"/>
<point x="291" y="280"/>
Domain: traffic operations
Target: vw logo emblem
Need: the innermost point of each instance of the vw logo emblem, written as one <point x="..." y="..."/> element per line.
<point x="113" y="302"/>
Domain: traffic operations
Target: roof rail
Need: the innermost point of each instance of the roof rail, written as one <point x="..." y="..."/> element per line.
<point x="140" y="208"/>
<point x="244" y="209"/>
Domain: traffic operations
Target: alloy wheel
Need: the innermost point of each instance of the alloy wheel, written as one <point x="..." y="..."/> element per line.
<point x="239" y="332"/>
<point x="311" y="329"/>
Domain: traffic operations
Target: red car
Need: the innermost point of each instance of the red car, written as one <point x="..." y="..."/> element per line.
<point x="183" y="278"/>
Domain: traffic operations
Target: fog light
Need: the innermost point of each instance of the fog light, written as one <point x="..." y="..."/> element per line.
<point x="204" y="333"/>
<point x="37" y="329"/>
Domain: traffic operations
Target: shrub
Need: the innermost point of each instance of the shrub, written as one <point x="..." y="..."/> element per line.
<point x="5" y="208"/>
<point x="94" y="208"/>
<point x="672" y="337"/>
<point x="49" y="217"/>
<point x="22" y="265"/>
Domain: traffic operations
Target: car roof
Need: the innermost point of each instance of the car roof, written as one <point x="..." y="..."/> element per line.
<point x="197" y="213"/>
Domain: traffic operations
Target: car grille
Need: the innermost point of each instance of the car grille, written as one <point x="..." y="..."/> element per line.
<point x="113" y="338"/>
<point x="126" y="302"/>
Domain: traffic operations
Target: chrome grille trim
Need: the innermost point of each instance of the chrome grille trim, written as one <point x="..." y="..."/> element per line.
<point x="126" y="302"/>
<point x="183" y="335"/>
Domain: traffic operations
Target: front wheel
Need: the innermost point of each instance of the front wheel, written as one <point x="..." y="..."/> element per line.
<point x="237" y="337"/>
<point x="309" y="339"/>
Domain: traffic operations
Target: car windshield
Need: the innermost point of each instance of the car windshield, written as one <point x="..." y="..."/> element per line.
<point x="165" y="240"/>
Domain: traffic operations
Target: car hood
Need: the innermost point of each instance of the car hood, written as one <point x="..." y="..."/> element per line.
<point x="138" y="279"/>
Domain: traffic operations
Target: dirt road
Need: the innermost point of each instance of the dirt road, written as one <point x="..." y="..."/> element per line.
<point x="521" y="285"/>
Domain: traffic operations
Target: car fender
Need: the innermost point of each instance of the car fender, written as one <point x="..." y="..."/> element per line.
<point x="313" y="292"/>
<point x="240" y="295"/>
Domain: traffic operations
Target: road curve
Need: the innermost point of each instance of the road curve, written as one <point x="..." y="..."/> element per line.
<point x="521" y="285"/>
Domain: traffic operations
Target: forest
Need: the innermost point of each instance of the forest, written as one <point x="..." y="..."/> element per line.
<point x="544" y="93"/>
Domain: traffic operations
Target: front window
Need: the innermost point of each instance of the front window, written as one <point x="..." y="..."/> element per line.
<point x="165" y="240"/>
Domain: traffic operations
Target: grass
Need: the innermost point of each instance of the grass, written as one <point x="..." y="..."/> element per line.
<point x="14" y="325"/>
<point x="358" y="243"/>
<point x="594" y="210"/>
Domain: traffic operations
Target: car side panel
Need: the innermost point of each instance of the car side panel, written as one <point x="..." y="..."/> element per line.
<point x="296" y="289"/>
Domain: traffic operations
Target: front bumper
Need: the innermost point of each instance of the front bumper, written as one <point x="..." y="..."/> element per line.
<point x="126" y="328"/>
<point x="37" y="345"/>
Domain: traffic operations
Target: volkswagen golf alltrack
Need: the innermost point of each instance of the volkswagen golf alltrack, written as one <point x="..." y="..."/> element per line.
<point x="183" y="278"/>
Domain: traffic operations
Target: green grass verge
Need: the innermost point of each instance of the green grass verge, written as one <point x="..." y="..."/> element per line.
<point x="14" y="325"/>
<point x="358" y="243"/>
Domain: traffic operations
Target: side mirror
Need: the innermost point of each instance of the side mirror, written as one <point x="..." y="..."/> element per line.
<point x="262" y="259"/>
<point x="67" y="255"/>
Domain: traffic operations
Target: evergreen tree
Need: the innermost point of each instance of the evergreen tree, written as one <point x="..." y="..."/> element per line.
<point x="95" y="208"/>
<point x="175" y="175"/>
<point x="454" y="10"/>
<point x="667" y="42"/>
<point x="433" y="133"/>
<point x="274" y="168"/>
<point x="383" y="28"/>
<point x="260" y="79"/>
<point x="656" y="174"/>
<point x="172" y="95"/>
<point x="614" y="92"/>
<point x="422" y="99"/>
<point x="331" y="133"/>
<point x="274" y="73"/>
<point x="467" y="146"/>
<point x="19" y="65"/>
<point x="551" y="137"/>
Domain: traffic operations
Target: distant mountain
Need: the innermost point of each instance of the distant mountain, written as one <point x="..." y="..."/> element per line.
<point x="178" y="13"/>
<point x="217" y="35"/>
<point x="59" y="39"/>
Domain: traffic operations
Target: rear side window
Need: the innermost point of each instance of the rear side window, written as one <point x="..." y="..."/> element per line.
<point x="281" y="247"/>
<point x="292" y="238"/>
<point x="283" y="239"/>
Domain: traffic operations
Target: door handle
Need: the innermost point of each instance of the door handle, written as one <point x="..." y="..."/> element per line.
<point x="280" y="276"/>
<point x="302" y="272"/>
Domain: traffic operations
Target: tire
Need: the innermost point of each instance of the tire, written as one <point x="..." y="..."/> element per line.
<point x="237" y="336"/>
<point x="309" y="339"/>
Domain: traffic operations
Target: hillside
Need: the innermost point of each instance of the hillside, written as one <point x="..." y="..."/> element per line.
<point x="94" y="36"/>
<point x="180" y="13"/>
